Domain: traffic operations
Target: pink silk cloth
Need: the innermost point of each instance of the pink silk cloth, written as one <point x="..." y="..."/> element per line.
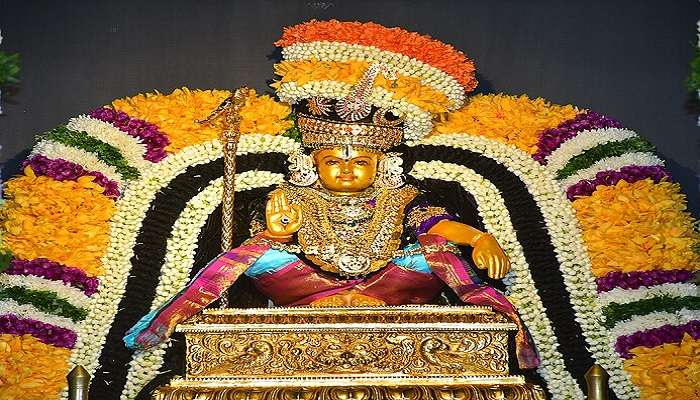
<point x="299" y="284"/>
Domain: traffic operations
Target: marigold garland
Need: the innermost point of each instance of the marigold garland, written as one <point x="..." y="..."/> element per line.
<point x="29" y="369"/>
<point x="262" y="114"/>
<point x="669" y="371"/>
<point x="421" y="47"/>
<point x="65" y="221"/>
<point x="176" y="114"/>
<point x="515" y="120"/>
<point x="62" y="170"/>
<point x="407" y="88"/>
<point x="638" y="226"/>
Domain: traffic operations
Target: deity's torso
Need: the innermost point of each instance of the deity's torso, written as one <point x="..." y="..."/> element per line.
<point x="351" y="235"/>
<point x="352" y="244"/>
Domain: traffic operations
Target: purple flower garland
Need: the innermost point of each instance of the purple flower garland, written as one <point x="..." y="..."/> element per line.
<point x="637" y="279"/>
<point x="149" y="134"/>
<point x="54" y="271"/>
<point x="63" y="170"/>
<point x="46" y="333"/>
<point x="629" y="173"/>
<point x="656" y="337"/>
<point x="551" y="139"/>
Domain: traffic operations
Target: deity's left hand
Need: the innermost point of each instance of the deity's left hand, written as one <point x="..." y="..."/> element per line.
<point x="487" y="254"/>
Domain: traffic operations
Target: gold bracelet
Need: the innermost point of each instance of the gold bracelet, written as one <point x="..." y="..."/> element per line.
<point x="282" y="239"/>
<point x="478" y="237"/>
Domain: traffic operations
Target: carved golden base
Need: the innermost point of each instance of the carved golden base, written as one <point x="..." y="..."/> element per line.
<point x="357" y="353"/>
<point x="376" y="388"/>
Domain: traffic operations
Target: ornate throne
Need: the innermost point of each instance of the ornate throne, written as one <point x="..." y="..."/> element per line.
<point x="402" y="352"/>
<point x="411" y="352"/>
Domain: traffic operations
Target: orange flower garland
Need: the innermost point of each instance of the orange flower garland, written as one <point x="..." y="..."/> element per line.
<point x="30" y="369"/>
<point x="421" y="47"/>
<point x="407" y="88"/>
<point x="262" y="114"/>
<point x="515" y="120"/>
<point x="638" y="227"/>
<point x="176" y="114"/>
<point x="64" y="221"/>
<point x="669" y="371"/>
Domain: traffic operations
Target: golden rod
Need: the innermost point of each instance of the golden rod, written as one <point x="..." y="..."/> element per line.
<point x="227" y="117"/>
<point x="597" y="381"/>
<point x="78" y="383"/>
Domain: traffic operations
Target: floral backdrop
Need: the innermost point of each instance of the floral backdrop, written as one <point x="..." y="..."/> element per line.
<point x="116" y="210"/>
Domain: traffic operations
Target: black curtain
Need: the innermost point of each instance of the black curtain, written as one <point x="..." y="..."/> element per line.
<point x="627" y="59"/>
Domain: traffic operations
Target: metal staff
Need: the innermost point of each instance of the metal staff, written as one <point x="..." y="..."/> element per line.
<point x="227" y="117"/>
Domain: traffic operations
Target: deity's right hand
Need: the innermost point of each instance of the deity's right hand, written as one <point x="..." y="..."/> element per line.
<point x="282" y="219"/>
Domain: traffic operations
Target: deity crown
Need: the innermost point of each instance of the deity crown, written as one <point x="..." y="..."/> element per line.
<point x="364" y="84"/>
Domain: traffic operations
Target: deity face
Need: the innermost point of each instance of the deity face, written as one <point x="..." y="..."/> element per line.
<point x="346" y="172"/>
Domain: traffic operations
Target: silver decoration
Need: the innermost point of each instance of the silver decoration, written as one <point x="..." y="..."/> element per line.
<point x="356" y="105"/>
<point x="390" y="171"/>
<point x="302" y="171"/>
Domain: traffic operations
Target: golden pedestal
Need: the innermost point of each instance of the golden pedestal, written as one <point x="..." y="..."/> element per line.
<point x="364" y="353"/>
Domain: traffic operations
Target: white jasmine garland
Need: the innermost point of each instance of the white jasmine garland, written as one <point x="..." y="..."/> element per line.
<point x="523" y="292"/>
<point x="401" y="64"/>
<point x="260" y="142"/>
<point x="417" y="123"/>
<point x="179" y="258"/>
<point x="611" y="163"/>
<point x="9" y="306"/>
<point x="653" y="320"/>
<point x="130" y="147"/>
<point x="124" y="228"/>
<point x="85" y="159"/>
<point x="624" y="296"/>
<point x="563" y="228"/>
<point x="585" y="140"/>
<point x="68" y="293"/>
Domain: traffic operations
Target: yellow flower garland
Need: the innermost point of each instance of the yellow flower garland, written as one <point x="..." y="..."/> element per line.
<point x="176" y="114"/>
<point x="64" y="221"/>
<point x="669" y="371"/>
<point x="262" y="114"/>
<point x="638" y="227"/>
<point x="515" y="120"/>
<point x="30" y="369"/>
<point x="407" y="88"/>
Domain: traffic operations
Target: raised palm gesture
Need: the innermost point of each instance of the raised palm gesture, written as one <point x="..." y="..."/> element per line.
<point x="282" y="219"/>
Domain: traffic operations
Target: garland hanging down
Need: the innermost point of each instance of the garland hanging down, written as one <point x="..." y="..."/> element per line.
<point x="615" y="238"/>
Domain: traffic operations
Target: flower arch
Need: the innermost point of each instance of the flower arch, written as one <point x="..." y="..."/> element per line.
<point x="74" y="226"/>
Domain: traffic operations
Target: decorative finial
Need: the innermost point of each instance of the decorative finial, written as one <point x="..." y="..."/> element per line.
<point x="78" y="383"/>
<point x="597" y="380"/>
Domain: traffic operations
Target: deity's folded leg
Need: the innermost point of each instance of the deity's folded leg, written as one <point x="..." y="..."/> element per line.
<point x="457" y="274"/>
<point x="203" y="289"/>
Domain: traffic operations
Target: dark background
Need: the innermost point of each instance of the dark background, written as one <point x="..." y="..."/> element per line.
<point x="626" y="59"/>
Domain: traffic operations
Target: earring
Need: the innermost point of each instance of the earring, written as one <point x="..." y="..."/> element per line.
<point x="301" y="169"/>
<point x="390" y="171"/>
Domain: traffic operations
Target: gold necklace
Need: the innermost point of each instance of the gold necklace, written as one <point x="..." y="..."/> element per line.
<point x="350" y="235"/>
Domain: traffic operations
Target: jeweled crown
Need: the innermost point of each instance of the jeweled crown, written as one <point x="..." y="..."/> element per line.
<point x="368" y="85"/>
